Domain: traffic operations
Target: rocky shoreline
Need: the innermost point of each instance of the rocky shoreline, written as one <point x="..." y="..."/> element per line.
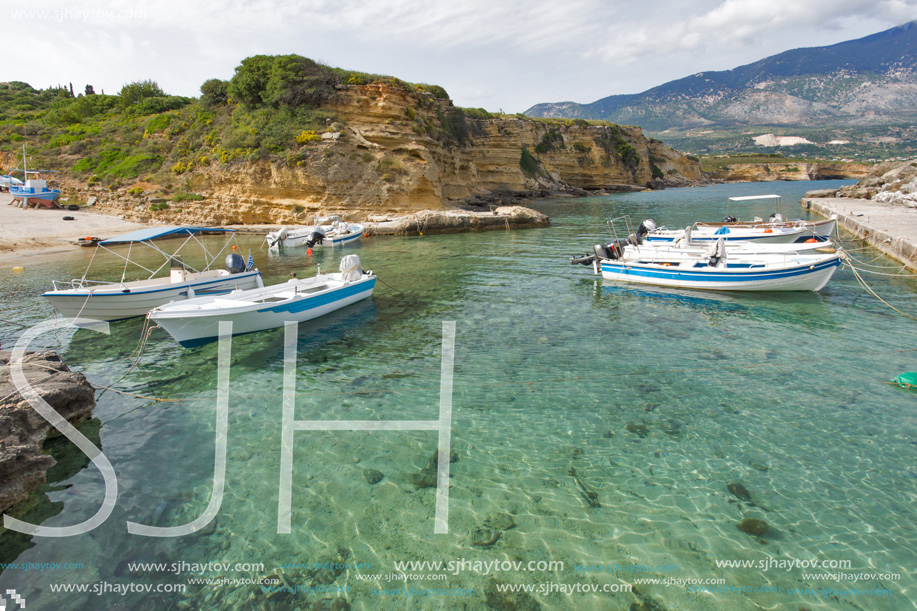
<point x="23" y="464"/>
<point x="453" y="221"/>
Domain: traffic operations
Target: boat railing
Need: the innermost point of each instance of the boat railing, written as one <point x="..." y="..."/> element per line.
<point x="623" y="225"/>
<point x="615" y="225"/>
<point x="77" y="283"/>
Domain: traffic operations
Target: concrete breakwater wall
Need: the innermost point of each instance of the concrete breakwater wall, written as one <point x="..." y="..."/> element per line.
<point x="888" y="228"/>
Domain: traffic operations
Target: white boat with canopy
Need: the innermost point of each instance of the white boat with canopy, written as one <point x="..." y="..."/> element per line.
<point x="87" y="301"/>
<point x="196" y="321"/>
<point x="818" y="229"/>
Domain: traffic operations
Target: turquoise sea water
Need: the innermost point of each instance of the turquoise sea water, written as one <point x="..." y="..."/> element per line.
<point x="626" y="430"/>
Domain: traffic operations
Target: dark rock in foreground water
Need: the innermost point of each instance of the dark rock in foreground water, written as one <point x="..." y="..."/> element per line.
<point x="751" y="526"/>
<point x="372" y="476"/>
<point x="739" y="491"/>
<point x="23" y="431"/>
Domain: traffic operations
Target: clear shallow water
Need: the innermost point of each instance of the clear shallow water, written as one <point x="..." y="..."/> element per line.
<point x="607" y="421"/>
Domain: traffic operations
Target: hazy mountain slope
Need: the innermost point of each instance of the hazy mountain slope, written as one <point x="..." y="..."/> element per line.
<point x="862" y="81"/>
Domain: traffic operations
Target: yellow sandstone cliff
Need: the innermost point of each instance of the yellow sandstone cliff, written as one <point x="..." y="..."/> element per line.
<point x="389" y="151"/>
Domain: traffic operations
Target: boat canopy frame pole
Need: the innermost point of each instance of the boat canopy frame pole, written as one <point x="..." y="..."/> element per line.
<point x="127" y="260"/>
<point x="168" y="257"/>
<point x="91" y="259"/>
<point x="232" y="238"/>
<point x="612" y="228"/>
<point x="778" y="200"/>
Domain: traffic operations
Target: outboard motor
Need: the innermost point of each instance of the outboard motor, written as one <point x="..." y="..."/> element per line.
<point x="351" y="270"/>
<point x="276" y="238"/>
<point x="646" y="227"/>
<point x="730" y="219"/>
<point x="317" y="237"/>
<point x="611" y="250"/>
<point x="235" y="264"/>
<point x="716" y="254"/>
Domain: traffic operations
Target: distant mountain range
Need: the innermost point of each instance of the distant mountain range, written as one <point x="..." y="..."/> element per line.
<point x="866" y="82"/>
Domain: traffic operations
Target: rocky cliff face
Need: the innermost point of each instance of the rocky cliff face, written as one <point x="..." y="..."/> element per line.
<point x="392" y="151"/>
<point x="888" y="183"/>
<point x="761" y="172"/>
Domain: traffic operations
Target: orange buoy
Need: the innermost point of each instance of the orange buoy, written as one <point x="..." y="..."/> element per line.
<point x="309" y="252"/>
<point x="233" y="246"/>
<point x="811" y="241"/>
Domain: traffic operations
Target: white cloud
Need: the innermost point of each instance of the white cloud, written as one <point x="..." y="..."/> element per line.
<point x="522" y="51"/>
<point x="734" y="24"/>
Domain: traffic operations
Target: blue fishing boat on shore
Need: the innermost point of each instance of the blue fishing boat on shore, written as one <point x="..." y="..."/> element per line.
<point x="35" y="190"/>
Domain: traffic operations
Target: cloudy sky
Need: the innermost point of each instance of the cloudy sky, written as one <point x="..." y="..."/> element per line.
<point x="497" y="54"/>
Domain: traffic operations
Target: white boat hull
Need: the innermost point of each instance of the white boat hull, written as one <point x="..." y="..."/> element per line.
<point x="196" y="321"/>
<point x="116" y="301"/>
<point x="805" y="275"/>
<point x="300" y="237"/>
<point x="742" y="234"/>
<point x="820" y="229"/>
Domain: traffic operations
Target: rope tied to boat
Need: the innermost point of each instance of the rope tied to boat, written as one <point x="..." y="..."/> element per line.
<point x="868" y="289"/>
<point x="136" y="355"/>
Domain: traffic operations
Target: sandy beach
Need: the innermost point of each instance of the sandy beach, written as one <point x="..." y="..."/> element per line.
<point x="29" y="232"/>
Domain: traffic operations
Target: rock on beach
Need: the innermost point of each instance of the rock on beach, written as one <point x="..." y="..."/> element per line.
<point x="23" y="431"/>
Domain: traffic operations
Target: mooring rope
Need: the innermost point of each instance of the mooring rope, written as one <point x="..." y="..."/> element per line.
<point x="869" y="290"/>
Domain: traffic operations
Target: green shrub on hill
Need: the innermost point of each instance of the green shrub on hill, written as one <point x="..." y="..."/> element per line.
<point x="274" y="107"/>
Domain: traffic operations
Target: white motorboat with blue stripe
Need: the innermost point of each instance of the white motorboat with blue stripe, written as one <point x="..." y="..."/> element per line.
<point x="87" y="301"/>
<point x="720" y="267"/>
<point x="196" y="321"/>
<point x="774" y="235"/>
<point x="335" y="233"/>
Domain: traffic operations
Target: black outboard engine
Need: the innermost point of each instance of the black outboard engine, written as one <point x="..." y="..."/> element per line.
<point x="235" y="264"/>
<point x="730" y="219"/>
<point x="645" y="227"/>
<point x="317" y="237"/>
<point x="612" y="250"/>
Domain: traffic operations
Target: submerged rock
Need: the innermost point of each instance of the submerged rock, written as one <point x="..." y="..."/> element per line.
<point x="647" y="604"/>
<point x="751" y="526"/>
<point x="500" y="521"/>
<point x="484" y="537"/>
<point x="508" y="601"/>
<point x="739" y="491"/>
<point x="372" y="476"/>
<point x="671" y="426"/>
<point x="588" y="494"/>
<point x="638" y="428"/>
<point x="424" y="479"/>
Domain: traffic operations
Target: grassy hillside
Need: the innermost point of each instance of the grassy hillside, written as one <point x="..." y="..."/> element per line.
<point x="273" y="108"/>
